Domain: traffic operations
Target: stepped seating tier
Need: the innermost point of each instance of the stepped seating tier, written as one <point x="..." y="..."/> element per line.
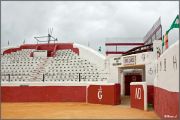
<point x="65" y="66"/>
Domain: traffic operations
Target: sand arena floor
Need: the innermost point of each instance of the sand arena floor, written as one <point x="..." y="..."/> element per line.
<point x="72" y="110"/>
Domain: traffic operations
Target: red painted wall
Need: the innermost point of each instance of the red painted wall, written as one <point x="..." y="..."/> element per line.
<point x="28" y="46"/>
<point x="43" y="93"/>
<point x="49" y="47"/>
<point x="108" y="94"/>
<point x="166" y="103"/>
<point x="64" y="46"/>
<point x="76" y="50"/>
<point x="117" y="95"/>
<point x="135" y="102"/>
<point x="150" y="94"/>
<point x="52" y="48"/>
<point x="8" y="51"/>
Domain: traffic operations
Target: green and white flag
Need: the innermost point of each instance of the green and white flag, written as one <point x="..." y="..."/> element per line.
<point x="175" y="24"/>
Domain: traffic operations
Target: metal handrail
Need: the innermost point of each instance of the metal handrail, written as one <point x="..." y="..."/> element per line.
<point x="139" y="49"/>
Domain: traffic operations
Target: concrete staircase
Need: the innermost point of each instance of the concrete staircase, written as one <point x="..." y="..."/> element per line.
<point x="37" y="74"/>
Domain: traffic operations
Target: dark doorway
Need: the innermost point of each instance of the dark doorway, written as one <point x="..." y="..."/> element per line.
<point x="129" y="79"/>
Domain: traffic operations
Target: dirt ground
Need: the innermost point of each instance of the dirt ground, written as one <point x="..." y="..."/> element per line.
<point x="72" y="110"/>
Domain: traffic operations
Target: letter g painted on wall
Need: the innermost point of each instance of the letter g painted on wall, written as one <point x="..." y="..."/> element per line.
<point x="99" y="94"/>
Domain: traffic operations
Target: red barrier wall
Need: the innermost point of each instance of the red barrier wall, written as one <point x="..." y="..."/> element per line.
<point x="104" y="94"/>
<point x="137" y="100"/>
<point x="150" y="94"/>
<point x="166" y="103"/>
<point x="43" y="93"/>
<point x="117" y="95"/>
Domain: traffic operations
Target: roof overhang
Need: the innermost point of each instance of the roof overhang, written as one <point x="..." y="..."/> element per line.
<point x="139" y="66"/>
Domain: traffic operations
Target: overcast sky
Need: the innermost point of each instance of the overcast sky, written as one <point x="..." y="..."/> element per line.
<point x="83" y="21"/>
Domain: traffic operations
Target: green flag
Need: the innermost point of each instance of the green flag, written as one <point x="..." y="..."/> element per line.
<point x="175" y="24"/>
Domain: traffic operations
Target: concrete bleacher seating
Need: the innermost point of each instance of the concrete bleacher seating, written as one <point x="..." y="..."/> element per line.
<point x="66" y="66"/>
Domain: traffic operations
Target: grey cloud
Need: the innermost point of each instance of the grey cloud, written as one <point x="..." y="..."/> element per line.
<point x="83" y="21"/>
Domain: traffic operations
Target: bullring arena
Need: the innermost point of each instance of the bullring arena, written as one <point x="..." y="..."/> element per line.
<point x="47" y="92"/>
<point x="55" y="80"/>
